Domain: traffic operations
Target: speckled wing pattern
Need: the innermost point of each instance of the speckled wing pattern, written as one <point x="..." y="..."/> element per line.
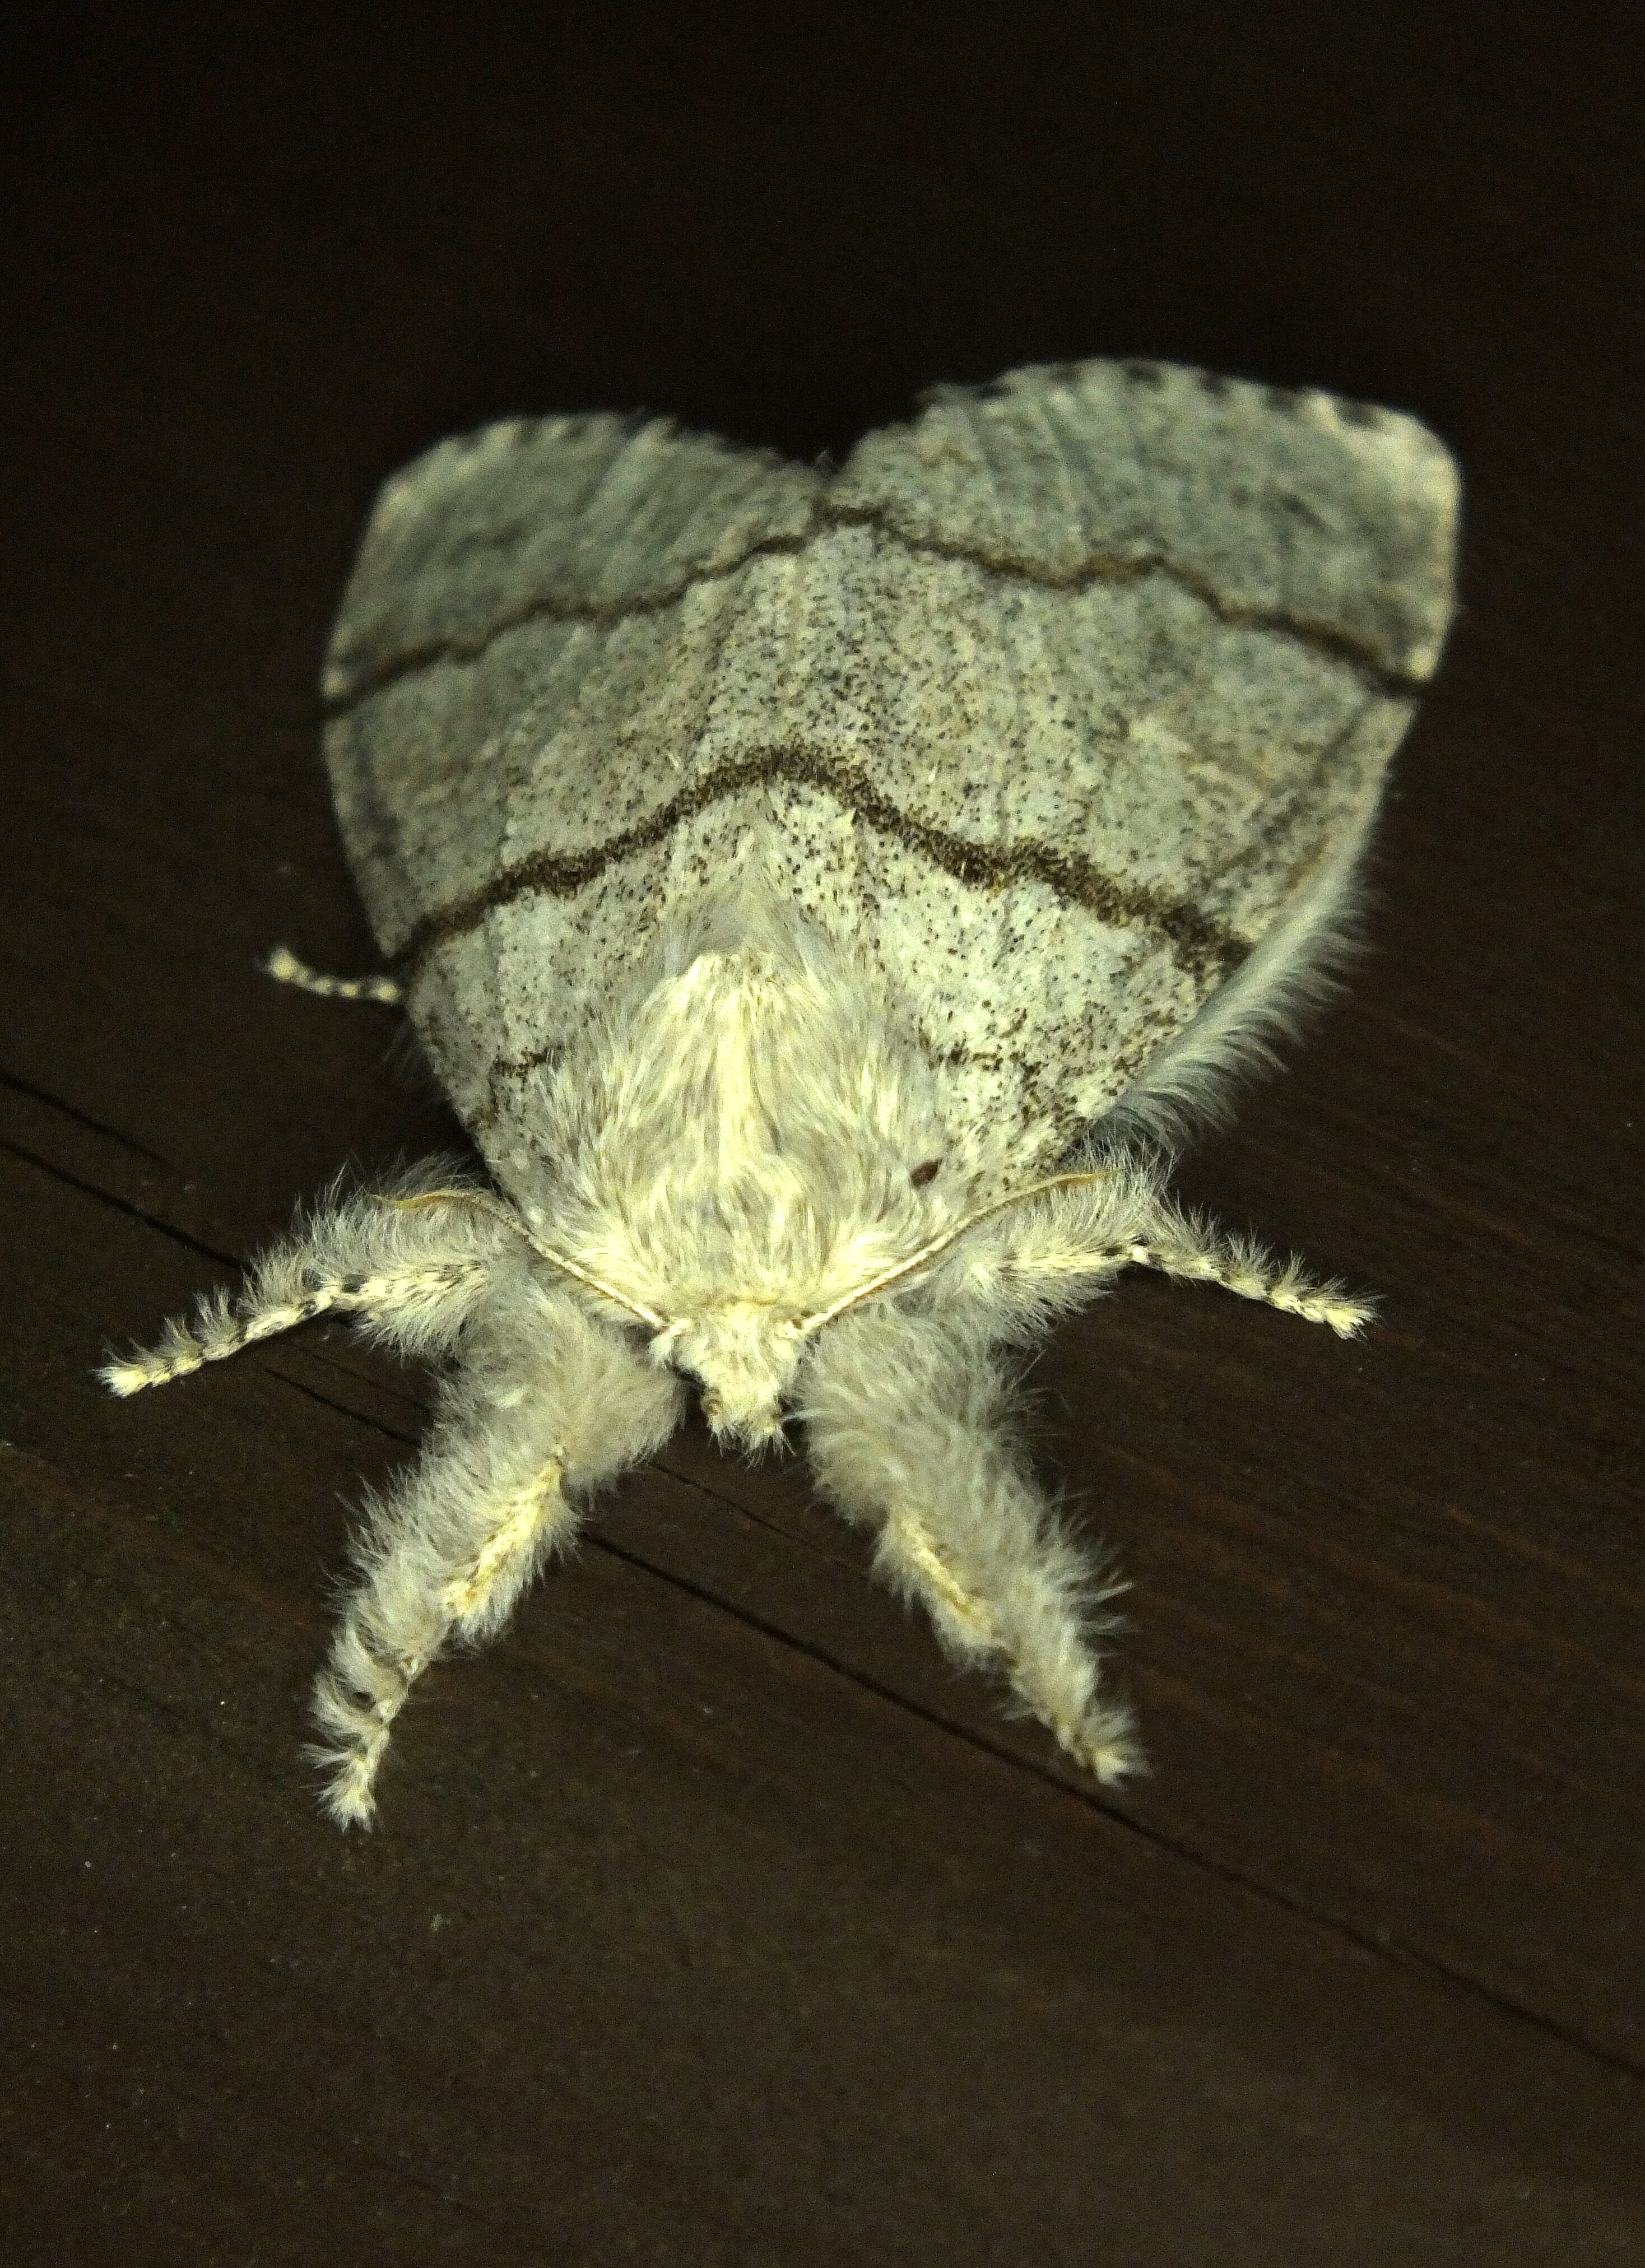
<point x="1065" y="704"/>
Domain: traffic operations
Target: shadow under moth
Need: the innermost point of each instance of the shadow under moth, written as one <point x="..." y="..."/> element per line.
<point x="823" y="894"/>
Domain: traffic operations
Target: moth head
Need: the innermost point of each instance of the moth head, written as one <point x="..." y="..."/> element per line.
<point x="744" y="1355"/>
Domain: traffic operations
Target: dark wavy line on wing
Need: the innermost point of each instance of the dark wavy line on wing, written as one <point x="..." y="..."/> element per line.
<point x="1323" y="638"/>
<point x="1199" y="944"/>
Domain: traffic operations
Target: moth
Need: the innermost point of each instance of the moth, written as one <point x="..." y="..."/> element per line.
<point x="825" y="895"/>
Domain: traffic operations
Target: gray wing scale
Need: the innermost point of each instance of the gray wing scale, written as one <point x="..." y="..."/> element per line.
<point x="1335" y="519"/>
<point x="1069" y="704"/>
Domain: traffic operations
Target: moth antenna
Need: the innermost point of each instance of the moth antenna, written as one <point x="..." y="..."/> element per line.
<point x="510" y="1220"/>
<point x="940" y="1244"/>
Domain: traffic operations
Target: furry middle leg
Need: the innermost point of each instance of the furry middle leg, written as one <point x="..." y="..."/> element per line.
<point x="547" y="1406"/>
<point x="905" y="1424"/>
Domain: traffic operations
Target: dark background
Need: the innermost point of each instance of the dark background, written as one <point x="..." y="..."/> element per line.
<point x="709" y="1919"/>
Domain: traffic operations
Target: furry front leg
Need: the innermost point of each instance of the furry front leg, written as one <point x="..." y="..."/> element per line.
<point x="406" y="1272"/>
<point x="907" y="1420"/>
<point x="1032" y="1263"/>
<point x="546" y="1406"/>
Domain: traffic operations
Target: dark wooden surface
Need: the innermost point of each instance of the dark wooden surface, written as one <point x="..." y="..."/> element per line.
<point x="710" y="1917"/>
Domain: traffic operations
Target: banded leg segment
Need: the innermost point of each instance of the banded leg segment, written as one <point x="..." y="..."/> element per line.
<point x="222" y="1326"/>
<point x="906" y="1423"/>
<point x="411" y="1276"/>
<point x="286" y="969"/>
<point x="1061" y="1249"/>
<point x="1240" y="1265"/>
<point x="548" y="1405"/>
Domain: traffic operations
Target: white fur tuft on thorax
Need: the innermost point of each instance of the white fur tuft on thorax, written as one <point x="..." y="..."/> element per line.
<point x="745" y="1141"/>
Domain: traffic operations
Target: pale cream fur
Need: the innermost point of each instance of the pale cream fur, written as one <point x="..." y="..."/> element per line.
<point x="741" y="1175"/>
